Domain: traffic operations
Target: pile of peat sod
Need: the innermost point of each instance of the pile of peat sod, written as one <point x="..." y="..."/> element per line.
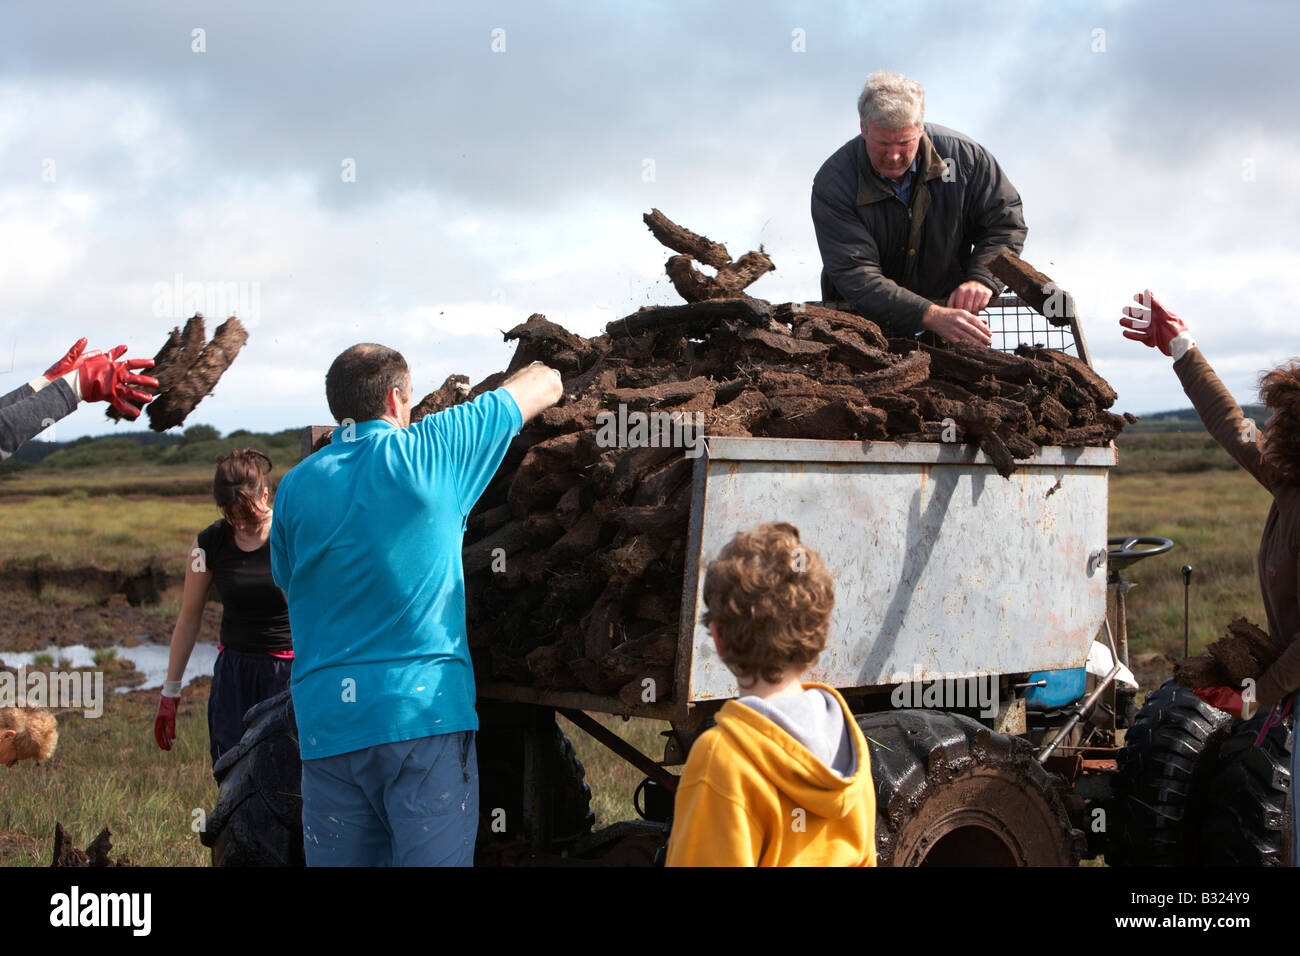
<point x="574" y="555"/>
<point x="1242" y="654"/>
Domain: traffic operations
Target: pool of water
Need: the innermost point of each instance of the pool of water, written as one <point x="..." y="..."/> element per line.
<point x="149" y="659"/>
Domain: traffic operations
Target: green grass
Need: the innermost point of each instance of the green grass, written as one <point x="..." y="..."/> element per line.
<point x="107" y="771"/>
<point x="90" y="482"/>
<point x="106" y="531"/>
<point x="60" y="596"/>
<point x="611" y="778"/>
<point x="1213" y="512"/>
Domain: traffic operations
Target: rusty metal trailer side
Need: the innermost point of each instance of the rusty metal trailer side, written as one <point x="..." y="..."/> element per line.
<point x="942" y="567"/>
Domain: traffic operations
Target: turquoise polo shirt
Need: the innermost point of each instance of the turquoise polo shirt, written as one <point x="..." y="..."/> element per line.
<point x="365" y="544"/>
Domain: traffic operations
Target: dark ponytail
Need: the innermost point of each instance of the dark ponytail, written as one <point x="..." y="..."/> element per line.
<point x="238" y="484"/>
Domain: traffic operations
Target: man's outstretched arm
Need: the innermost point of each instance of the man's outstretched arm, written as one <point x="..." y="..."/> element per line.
<point x="534" y="388"/>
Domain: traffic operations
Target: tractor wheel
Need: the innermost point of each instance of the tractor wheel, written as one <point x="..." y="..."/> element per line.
<point x="258" y="817"/>
<point x="951" y="792"/>
<point x="1168" y="754"/>
<point x="1248" y="799"/>
<point x="560" y="795"/>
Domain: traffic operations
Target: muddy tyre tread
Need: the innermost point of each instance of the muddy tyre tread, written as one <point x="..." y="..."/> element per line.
<point x="1168" y="754"/>
<point x="501" y="785"/>
<point x="915" y="754"/>
<point x="1248" y="799"/>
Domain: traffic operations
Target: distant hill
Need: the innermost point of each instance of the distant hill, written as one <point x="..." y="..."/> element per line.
<point x="37" y="451"/>
<point x="1186" y="420"/>
<point x="199" y="443"/>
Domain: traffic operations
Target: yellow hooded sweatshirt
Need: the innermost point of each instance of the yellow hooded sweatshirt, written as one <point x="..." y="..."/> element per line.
<point x="753" y="795"/>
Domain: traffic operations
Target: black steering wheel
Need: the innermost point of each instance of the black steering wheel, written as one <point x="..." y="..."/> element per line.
<point x="1125" y="550"/>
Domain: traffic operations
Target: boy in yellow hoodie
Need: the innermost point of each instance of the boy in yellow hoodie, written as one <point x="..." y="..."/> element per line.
<point x="784" y="778"/>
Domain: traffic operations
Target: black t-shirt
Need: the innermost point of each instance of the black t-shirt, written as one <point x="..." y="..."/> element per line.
<point x="254" y="614"/>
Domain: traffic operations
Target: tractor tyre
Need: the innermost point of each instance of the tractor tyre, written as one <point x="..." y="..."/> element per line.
<point x="257" y="820"/>
<point x="1168" y="755"/>
<point x="1248" y="799"/>
<point x="560" y="790"/>
<point x="951" y="792"/>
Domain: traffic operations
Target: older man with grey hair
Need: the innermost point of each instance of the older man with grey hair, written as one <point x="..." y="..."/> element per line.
<point x="908" y="216"/>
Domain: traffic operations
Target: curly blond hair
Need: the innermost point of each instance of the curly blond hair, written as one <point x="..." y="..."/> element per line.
<point x="770" y="598"/>
<point x="37" y="731"/>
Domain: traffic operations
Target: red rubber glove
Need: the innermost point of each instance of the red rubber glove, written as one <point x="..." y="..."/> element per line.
<point x="1226" y="699"/>
<point x="164" y="725"/>
<point x="75" y="357"/>
<point x="1155" y="327"/>
<point x="104" y="379"/>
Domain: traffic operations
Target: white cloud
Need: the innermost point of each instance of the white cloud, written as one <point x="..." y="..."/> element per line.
<point x="494" y="187"/>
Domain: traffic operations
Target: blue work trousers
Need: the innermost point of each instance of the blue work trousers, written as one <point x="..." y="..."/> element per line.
<point x="406" y="803"/>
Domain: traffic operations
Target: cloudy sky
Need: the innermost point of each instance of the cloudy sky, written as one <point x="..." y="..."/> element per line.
<point x="426" y="175"/>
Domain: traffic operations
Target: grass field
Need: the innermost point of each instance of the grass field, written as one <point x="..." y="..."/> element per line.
<point x="108" y="771"/>
<point x="1213" y="512"/>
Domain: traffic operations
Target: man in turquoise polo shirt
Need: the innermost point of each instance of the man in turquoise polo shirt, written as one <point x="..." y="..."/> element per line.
<point x="366" y="544"/>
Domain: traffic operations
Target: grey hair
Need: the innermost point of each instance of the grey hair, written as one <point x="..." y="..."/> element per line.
<point x="891" y="101"/>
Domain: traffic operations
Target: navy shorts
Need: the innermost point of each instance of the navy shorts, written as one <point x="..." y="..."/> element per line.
<point x="406" y="803"/>
<point x="239" y="680"/>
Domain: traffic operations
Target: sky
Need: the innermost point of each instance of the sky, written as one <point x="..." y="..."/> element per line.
<point x="428" y="175"/>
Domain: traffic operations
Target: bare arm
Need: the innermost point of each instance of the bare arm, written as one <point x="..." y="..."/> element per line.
<point x="534" y="388"/>
<point x="195" y="595"/>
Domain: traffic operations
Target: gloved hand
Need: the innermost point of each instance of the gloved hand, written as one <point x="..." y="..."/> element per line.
<point x="101" y="378"/>
<point x="1155" y="327"/>
<point x="164" y="725"/>
<point x="1227" y="699"/>
<point x="75" y="357"/>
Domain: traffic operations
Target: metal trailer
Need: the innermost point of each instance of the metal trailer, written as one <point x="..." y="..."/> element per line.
<point x="944" y="571"/>
<point x="949" y="581"/>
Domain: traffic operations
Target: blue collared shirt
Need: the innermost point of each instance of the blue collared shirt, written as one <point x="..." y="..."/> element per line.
<point x="366" y="545"/>
<point x="902" y="190"/>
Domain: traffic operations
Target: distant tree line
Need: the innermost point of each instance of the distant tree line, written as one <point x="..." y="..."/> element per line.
<point x="197" y="444"/>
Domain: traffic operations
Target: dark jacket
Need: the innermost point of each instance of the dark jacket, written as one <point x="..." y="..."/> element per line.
<point x="24" y="413"/>
<point x="891" y="262"/>
<point x="1278" y="561"/>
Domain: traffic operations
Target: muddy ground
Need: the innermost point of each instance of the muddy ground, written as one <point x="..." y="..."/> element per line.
<point x="29" y="624"/>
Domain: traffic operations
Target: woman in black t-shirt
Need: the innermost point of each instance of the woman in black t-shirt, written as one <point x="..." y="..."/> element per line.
<point x="255" y="651"/>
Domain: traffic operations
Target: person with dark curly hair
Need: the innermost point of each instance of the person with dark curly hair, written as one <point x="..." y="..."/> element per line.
<point x="1274" y="461"/>
<point x="255" y="652"/>
<point x="784" y="778"/>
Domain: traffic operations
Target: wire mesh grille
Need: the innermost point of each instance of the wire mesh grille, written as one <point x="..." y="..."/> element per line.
<point x="1013" y="323"/>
